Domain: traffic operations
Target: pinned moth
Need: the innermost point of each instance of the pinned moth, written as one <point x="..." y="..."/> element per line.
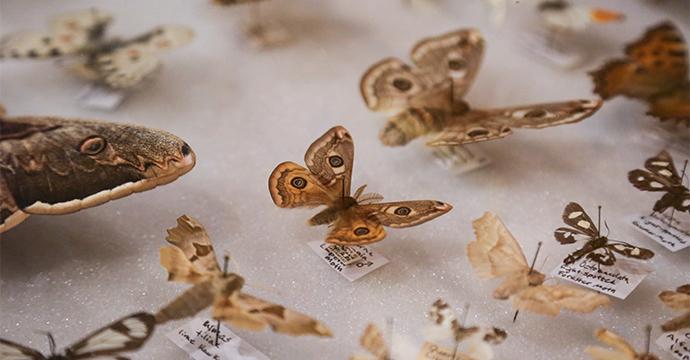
<point x="661" y="176"/>
<point x="355" y="219"/>
<point x="373" y="341"/>
<point x="191" y="259"/>
<point x="125" y="335"/>
<point x="655" y="70"/>
<point x="258" y="31"/>
<point x="597" y="248"/>
<point x="677" y="300"/>
<point x="622" y="350"/>
<point x="428" y="99"/>
<point x="497" y="254"/>
<point x="81" y="38"/>
<point x="52" y="166"/>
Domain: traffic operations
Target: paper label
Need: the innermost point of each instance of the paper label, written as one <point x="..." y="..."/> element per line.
<point x="548" y="46"/>
<point x="346" y="254"/>
<point x="677" y="343"/>
<point x="100" y="97"/>
<point x="369" y="260"/>
<point x="617" y="280"/>
<point x="198" y="339"/>
<point x="431" y="351"/>
<point x="671" y="234"/>
<point x="461" y="159"/>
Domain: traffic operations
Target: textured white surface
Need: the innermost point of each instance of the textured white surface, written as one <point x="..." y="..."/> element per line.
<point x="245" y="111"/>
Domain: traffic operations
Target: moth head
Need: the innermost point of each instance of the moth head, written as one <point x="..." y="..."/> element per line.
<point x="228" y="284"/>
<point x="535" y="278"/>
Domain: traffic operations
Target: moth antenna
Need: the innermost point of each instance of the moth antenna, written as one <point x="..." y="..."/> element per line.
<point x="51" y="341"/>
<point x="598" y="220"/>
<point x="648" y="333"/>
<point x="541" y="267"/>
<point x="534" y="260"/>
<point x="608" y="230"/>
<point x="226" y="260"/>
<point x="515" y="316"/>
<point x="389" y="328"/>
<point x="465" y="313"/>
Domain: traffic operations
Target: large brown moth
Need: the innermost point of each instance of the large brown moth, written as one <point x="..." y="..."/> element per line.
<point x="124" y="335"/>
<point x="677" y="300"/>
<point x="80" y="37"/>
<point x="497" y="254"/>
<point x="354" y="219"/>
<point x="654" y="70"/>
<point x="51" y="166"/>
<point x="190" y="258"/>
<point x="598" y="248"/>
<point x="661" y="175"/>
<point x="622" y="350"/>
<point x="427" y="99"/>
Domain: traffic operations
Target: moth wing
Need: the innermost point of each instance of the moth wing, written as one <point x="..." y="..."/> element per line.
<point x="631" y="251"/>
<point x="675" y="299"/>
<point x="444" y="321"/>
<point x="618" y="343"/>
<point x="599" y="353"/>
<point x="189" y="303"/>
<point x="456" y="55"/>
<point x="373" y="341"/>
<point x="126" y="66"/>
<point x="538" y="116"/>
<point x="549" y="299"/>
<point x="292" y="185"/>
<point x="355" y="227"/>
<point x="648" y="181"/>
<point x="662" y="165"/>
<point x="576" y="217"/>
<point x="91" y="22"/>
<point x="165" y="37"/>
<point x="471" y="127"/>
<point x="330" y="159"/>
<point x="390" y="85"/>
<point x="495" y="252"/>
<point x="190" y="237"/>
<point x="12" y="351"/>
<point x="126" y="334"/>
<point x="402" y="214"/>
<point x="673" y="105"/>
<point x="680" y="322"/>
<point x="512" y="284"/>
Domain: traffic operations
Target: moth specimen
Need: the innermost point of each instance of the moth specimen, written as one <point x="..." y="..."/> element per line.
<point x="355" y="219"/>
<point x="496" y="254"/>
<point x="125" y="335"/>
<point x="373" y="341"/>
<point x="622" y="350"/>
<point x="661" y="175"/>
<point x="427" y="99"/>
<point x="81" y="38"/>
<point x="597" y="248"/>
<point x="191" y="259"/>
<point x="677" y="300"/>
<point x="655" y="70"/>
<point x="51" y="166"/>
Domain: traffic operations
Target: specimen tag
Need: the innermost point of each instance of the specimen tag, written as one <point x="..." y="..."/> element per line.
<point x="618" y="280"/>
<point x="677" y="343"/>
<point x="198" y="339"/>
<point x="671" y="234"/>
<point x="346" y="254"/>
<point x="100" y="97"/>
<point x="461" y="159"/>
<point x="431" y="351"/>
<point x="368" y="259"/>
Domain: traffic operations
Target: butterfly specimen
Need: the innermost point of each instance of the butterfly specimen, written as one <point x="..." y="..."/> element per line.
<point x="677" y="300"/>
<point x="356" y="219"/>
<point x="427" y="99"/>
<point x="191" y="259"/>
<point x="661" y="175"/>
<point x="80" y="37"/>
<point x="373" y="341"/>
<point x="622" y="350"/>
<point x="52" y="166"/>
<point x="597" y="248"/>
<point x="125" y="335"/>
<point x="496" y="254"/>
<point x="654" y="70"/>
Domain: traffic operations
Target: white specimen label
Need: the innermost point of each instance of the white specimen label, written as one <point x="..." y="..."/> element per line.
<point x="677" y="343"/>
<point x="198" y="339"/>
<point x="368" y="262"/>
<point x="671" y="234"/>
<point x="461" y="159"/>
<point x="100" y="98"/>
<point x="618" y="280"/>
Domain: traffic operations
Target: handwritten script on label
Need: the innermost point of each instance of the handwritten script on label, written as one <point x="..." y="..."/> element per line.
<point x="369" y="260"/>
<point x="677" y="343"/>
<point x="671" y="234"/>
<point x="608" y="280"/>
<point x="346" y="254"/>
<point x="198" y="339"/>
<point x="431" y="351"/>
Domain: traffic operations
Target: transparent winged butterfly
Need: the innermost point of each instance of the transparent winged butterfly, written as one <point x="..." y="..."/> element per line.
<point x="597" y="247"/>
<point x="80" y="38"/>
<point x="661" y="176"/>
<point x="190" y="258"/>
<point x="125" y="335"/>
<point x="356" y="219"/>
<point x="427" y="99"/>
<point x="677" y="300"/>
<point x="497" y="254"/>
<point x="622" y="350"/>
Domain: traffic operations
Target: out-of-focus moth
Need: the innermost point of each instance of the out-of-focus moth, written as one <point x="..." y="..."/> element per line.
<point x="372" y="341"/>
<point x="51" y="166"/>
<point x="677" y="300"/>
<point x="190" y="258"/>
<point x="561" y="15"/>
<point x="497" y="254"/>
<point x="661" y="175"/>
<point x="125" y="335"/>
<point x="654" y="70"/>
<point x="355" y="219"/>
<point x="81" y="38"/>
<point x="427" y="99"/>
<point x="622" y="350"/>
<point x="597" y="247"/>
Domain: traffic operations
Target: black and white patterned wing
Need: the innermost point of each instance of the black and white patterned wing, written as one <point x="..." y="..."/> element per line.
<point x="12" y="351"/>
<point x="631" y="251"/>
<point x="580" y="224"/>
<point x="124" y="335"/>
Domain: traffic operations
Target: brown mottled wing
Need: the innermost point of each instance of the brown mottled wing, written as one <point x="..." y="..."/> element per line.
<point x="402" y="214"/>
<point x="330" y="159"/>
<point x="549" y="299"/>
<point x="673" y="105"/>
<point x="622" y="349"/>
<point x="456" y="55"/>
<point x="580" y="224"/>
<point x="189" y="303"/>
<point x="372" y="340"/>
<point x="447" y="323"/>
<point x="124" y="335"/>
<point x="292" y="185"/>
<point x="390" y="85"/>
<point x="191" y="238"/>
<point x="680" y="322"/>
<point x="13" y="351"/>
<point x="495" y="252"/>
<point x="677" y="300"/>
<point x="471" y="127"/>
<point x="354" y="227"/>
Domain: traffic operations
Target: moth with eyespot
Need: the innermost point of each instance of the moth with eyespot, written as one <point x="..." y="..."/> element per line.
<point x="661" y="176"/>
<point x="80" y="37"/>
<point x="597" y="248"/>
<point x="125" y="335"/>
<point x="427" y="99"/>
<point x="354" y="219"/>
<point x="52" y="166"/>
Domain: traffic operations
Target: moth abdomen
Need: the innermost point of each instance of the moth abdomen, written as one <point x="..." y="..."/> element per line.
<point x="407" y="126"/>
